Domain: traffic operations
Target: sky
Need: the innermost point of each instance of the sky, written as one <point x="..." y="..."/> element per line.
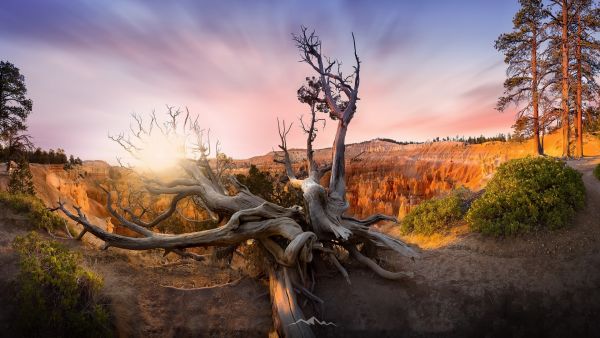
<point x="428" y="67"/>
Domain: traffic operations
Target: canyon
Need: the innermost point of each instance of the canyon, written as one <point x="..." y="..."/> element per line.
<point x="382" y="176"/>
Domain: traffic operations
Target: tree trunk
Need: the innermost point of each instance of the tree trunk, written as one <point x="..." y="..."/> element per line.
<point x="578" y="99"/>
<point x="337" y="182"/>
<point x="565" y="78"/>
<point x="288" y="318"/>
<point x="537" y="150"/>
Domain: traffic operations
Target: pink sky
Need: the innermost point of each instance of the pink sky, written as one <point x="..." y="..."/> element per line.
<point x="425" y="71"/>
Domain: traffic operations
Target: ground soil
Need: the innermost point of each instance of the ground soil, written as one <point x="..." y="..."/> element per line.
<point x="540" y="284"/>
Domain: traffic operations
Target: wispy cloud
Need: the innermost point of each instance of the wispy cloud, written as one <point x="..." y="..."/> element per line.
<point x="90" y="63"/>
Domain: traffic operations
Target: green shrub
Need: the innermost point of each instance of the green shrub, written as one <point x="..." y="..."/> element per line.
<point x="38" y="214"/>
<point x="527" y="194"/>
<point x="597" y="171"/>
<point x="436" y="214"/>
<point x="57" y="297"/>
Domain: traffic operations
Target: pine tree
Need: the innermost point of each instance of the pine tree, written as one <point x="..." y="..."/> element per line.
<point x="520" y="48"/>
<point x="21" y="179"/>
<point x="14" y="109"/>
<point x="587" y="61"/>
<point x="561" y="23"/>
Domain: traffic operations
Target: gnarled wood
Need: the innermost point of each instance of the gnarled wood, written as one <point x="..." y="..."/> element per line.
<point x="288" y="234"/>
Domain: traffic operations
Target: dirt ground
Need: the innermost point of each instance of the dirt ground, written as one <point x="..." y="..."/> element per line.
<point x="541" y="284"/>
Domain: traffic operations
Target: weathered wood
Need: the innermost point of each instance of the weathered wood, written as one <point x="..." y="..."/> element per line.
<point x="289" y="234"/>
<point x="287" y="314"/>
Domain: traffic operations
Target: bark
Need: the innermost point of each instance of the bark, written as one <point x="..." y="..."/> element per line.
<point x="578" y="95"/>
<point x="565" y="77"/>
<point x="537" y="149"/>
<point x="286" y="312"/>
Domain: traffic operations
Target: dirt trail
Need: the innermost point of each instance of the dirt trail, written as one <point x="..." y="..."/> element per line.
<point x="542" y="284"/>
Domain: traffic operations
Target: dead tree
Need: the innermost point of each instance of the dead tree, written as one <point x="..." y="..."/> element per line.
<point x="294" y="236"/>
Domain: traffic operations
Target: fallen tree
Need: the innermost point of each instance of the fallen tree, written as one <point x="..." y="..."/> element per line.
<point x="293" y="236"/>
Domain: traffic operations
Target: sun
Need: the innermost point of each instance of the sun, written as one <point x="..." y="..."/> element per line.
<point x="159" y="152"/>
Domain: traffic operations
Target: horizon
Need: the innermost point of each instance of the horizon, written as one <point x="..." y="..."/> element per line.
<point x="88" y="66"/>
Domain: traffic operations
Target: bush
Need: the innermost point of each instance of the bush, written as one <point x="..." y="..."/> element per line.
<point x="38" y="214"/>
<point x="527" y="194"/>
<point x="436" y="214"/>
<point x="597" y="171"/>
<point x="57" y="297"/>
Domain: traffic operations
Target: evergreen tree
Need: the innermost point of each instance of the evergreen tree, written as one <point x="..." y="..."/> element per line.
<point x="14" y="105"/>
<point x="520" y="48"/>
<point x="559" y="50"/>
<point x="21" y="179"/>
<point x="587" y="62"/>
<point x="14" y="109"/>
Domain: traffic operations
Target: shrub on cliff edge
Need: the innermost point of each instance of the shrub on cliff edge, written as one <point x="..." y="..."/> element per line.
<point x="34" y="208"/>
<point x="527" y="194"/>
<point x="436" y="214"/>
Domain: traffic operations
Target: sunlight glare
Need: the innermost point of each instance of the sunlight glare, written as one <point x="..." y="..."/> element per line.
<point x="161" y="152"/>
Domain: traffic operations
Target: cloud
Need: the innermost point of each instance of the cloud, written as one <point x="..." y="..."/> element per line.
<point x="91" y="63"/>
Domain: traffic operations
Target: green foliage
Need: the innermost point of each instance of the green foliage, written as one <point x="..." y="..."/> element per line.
<point x="597" y="171"/>
<point x="258" y="182"/>
<point x="21" y="179"/>
<point x="14" y="105"/>
<point x="39" y="155"/>
<point x="57" y="297"/>
<point x="38" y="214"/>
<point x="527" y="194"/>
<point x="263" y="184"/>
<point x="72" y="163"/>
<point x="435" y="215"/>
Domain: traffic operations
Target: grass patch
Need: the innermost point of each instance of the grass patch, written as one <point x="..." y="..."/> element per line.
<point x="34" y="208"/>
<point x="435" y="215"/>
<point x="57" y="296"/>
<point x="527" y="194"/>
<point x="597" y="172"/>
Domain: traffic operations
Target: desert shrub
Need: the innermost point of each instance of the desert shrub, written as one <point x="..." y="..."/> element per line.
<point x="597" y="171"/>
<point x="57" y="297"/>
<point x="38" y="214"/>
<point x="436" y="214"/>
<point x="527" y="194"/>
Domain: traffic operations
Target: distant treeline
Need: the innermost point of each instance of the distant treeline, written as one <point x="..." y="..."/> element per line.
<point x="468" y="140"/>
<point x="41" y="156"/>
<point x="477" y="139"/>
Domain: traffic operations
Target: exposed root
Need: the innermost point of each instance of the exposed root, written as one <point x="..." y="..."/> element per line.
<point x="234" y="283"/>
<point x="376" y="268"/>
<point x="340" y="268"/>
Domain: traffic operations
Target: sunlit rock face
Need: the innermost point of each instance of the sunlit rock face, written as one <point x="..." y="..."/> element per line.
<point x="382" y="176"/>
<point x="391" y="178"/>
